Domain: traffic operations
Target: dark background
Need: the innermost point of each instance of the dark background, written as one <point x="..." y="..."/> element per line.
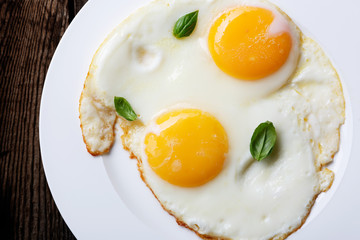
<point x="30" y="30"/>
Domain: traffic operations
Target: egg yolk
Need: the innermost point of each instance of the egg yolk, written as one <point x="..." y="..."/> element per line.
<point x="242" y="44"/>
<point x="190" y="148"/>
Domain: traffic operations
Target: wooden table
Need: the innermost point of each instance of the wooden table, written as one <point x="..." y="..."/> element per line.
<point x="30" y="30"/>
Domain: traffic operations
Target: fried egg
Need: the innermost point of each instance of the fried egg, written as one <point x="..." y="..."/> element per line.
<point x="199" y="100"/>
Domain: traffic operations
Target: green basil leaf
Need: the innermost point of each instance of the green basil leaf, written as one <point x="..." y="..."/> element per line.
<point x="185" y="25"/>
<point x="263" y="140"/>
<point x="124" y="109"/>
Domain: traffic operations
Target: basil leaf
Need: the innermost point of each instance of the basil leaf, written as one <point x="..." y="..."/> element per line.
<point x="124" y="109"/>
<point x="185" y="25"/>
<point x="263" y="140"/>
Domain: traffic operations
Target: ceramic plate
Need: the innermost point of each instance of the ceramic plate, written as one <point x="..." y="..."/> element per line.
<point x="104" y="197"/>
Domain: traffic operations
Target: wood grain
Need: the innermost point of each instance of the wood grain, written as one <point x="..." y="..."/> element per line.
<point x="30" y="30"/>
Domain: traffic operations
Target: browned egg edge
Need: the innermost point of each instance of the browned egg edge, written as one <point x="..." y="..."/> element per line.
<point x="88" y="147"/>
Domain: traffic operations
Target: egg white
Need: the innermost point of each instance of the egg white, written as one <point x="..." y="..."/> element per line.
<point x="155" y="72"/>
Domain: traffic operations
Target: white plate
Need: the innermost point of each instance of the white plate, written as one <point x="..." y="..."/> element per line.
<point x="104" y="198"/>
